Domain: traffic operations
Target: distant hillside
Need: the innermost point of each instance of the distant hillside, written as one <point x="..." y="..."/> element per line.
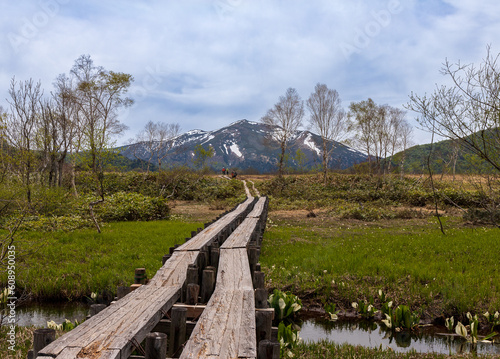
<point x="441" y="159"/>
<point x="245" y="145"/>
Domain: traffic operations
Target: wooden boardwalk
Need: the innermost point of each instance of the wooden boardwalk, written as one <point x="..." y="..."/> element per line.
<point x="226" y="328"/>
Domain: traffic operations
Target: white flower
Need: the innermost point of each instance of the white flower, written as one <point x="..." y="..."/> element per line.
<point x="497" y="315"/>
<point x="333" y="316"/>
<point x="461" y="330"/>
<point x="296" y="307"/>
<point x="389" y="304"/>
<point x="354" y="305"/>
<point x="487" y="315"/>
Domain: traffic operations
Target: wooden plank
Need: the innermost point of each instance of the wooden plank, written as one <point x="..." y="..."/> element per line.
<point x="173" y="272"/>
<point x="258" y="209"/>
<point x="242" y="235"/>
<point x="247" y="347"/>
<point x="68" y="339"/>
<point x="133" y="324"/>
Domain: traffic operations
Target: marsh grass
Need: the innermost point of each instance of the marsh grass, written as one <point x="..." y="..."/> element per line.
<point x="72" y="265"/>
<point x="326" y="349"/>
<point x="411" y="261"/>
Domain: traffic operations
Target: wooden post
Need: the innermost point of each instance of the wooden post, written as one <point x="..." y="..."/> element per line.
<point x="156" y="346"/>
<point x="253" y="258"/>
<point x="207" y="284"/>
<point x="96" y="308"/>
<point x="268" y="350"/>
<point x="214" y="257"/>
<point x="261" y="298"/>
<point x="259" y="280"/>
<point x="42" y="338"/>
<point x="122" y="292"/>
<point x="165" y="258"/>
<point x="192" y="293"/>
<point x="177" y="331"/>
<point x="193" y="233"/>
<point x="171" y="250"/>
<point x="263" y="325"/>
<point x="258" y="267"/>
<point x="192" y="274"/>
<point x="140" y="276"/>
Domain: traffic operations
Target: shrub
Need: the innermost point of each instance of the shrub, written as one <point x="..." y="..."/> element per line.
<point x="124" y="206"/>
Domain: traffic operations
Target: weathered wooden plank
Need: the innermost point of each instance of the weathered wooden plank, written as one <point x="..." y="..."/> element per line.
<point x="88" y="326"/>
<point x="242" y="235"/>
<point x="211" y="232"/>
<point x="247" y="347"/>
<point x="173" y="272"/>
<point x="258" y="209"/>
<point x="121" y="331"/>
<point x="247" y="191"/>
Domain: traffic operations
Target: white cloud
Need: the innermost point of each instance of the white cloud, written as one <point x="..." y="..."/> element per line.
<point x="205" y="64"/>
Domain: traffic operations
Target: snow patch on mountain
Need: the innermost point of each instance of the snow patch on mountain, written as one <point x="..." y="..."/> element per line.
<point x="310" y="143"/>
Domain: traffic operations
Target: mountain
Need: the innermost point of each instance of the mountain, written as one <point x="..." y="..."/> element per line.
<point x="445" y="155"/>
<point x="248" y="146"/>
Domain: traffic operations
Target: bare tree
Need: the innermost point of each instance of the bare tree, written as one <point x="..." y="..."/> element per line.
<point x="158" y="139"/>
<point x="406" y="132"/>
<point x="98" y="95"/>
<point x="284" y="119"/>
<point x="166" y="134"/>
<point x="467" y="112"/>
<point x="66" y="121"/>
<point x="362" y="123"/>
<point x="327" y="117"/>
<point x="25" y="99"/>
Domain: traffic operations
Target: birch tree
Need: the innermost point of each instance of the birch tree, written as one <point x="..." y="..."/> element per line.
<point x="327" y="118"/>
<point x="284" y="119"/>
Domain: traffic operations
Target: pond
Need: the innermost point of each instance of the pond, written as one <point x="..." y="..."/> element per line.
<point x="39" y="314"/>
<point x="374" y="335"/>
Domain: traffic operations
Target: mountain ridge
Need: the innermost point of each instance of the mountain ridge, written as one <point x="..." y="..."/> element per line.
<point x="247" y="145"/>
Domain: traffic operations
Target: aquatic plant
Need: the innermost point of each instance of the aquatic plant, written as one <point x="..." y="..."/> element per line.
<point x="288" y="338"/>
<point x="402" y="318"/>
<point x="330" y="309"/>
<point x="285" y="305"/>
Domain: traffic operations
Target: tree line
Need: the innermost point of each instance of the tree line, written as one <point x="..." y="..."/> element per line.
<point x="378" y="130"/>
<point x="41" y="133"/>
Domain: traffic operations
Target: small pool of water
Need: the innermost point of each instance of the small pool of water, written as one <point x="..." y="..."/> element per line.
<point x="374" y="335"/>
<point x="39" y="314"/>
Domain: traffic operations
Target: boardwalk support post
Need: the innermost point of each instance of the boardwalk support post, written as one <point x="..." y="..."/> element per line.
<point x="42" y="338"/>
<point x="207" y="284"/>
<point x="122" y="292"/>
<point x="140" y="276"/>
<point x="177" y="330"/>
<point x="263" y="325"/>
<point x="96" y="308"/>
<point x="268" y="350"/>
<point x="156" y="346"/>
<point x="192" y="293"/>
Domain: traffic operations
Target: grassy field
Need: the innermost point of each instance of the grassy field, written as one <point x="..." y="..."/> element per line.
<point x="331" y="261"/>
<point x="72" y="265"/>
<point x="365" y="235"/>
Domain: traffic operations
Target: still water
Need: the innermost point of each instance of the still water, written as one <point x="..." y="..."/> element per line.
<point x="40" y="314"/>
<point x="374" y="335"/>
<point x="364" y="333"/>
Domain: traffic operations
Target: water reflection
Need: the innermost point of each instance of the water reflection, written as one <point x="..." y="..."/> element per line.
<point x="40" y="314"/>
<point x="375" y="335"/>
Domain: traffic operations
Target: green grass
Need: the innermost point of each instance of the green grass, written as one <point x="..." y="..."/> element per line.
<point x="325" y="349"/>
<point x="411" y="261"/>
<point x="71" y="265"/>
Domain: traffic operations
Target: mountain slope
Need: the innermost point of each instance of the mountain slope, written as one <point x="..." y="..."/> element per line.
<point x="245" y="145"/>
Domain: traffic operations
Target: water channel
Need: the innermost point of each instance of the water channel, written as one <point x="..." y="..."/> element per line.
<point x="352" y="332"/>
<point x="375" y="335"/>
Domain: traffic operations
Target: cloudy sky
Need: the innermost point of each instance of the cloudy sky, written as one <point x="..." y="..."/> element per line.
<point x="207" y="63"/>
